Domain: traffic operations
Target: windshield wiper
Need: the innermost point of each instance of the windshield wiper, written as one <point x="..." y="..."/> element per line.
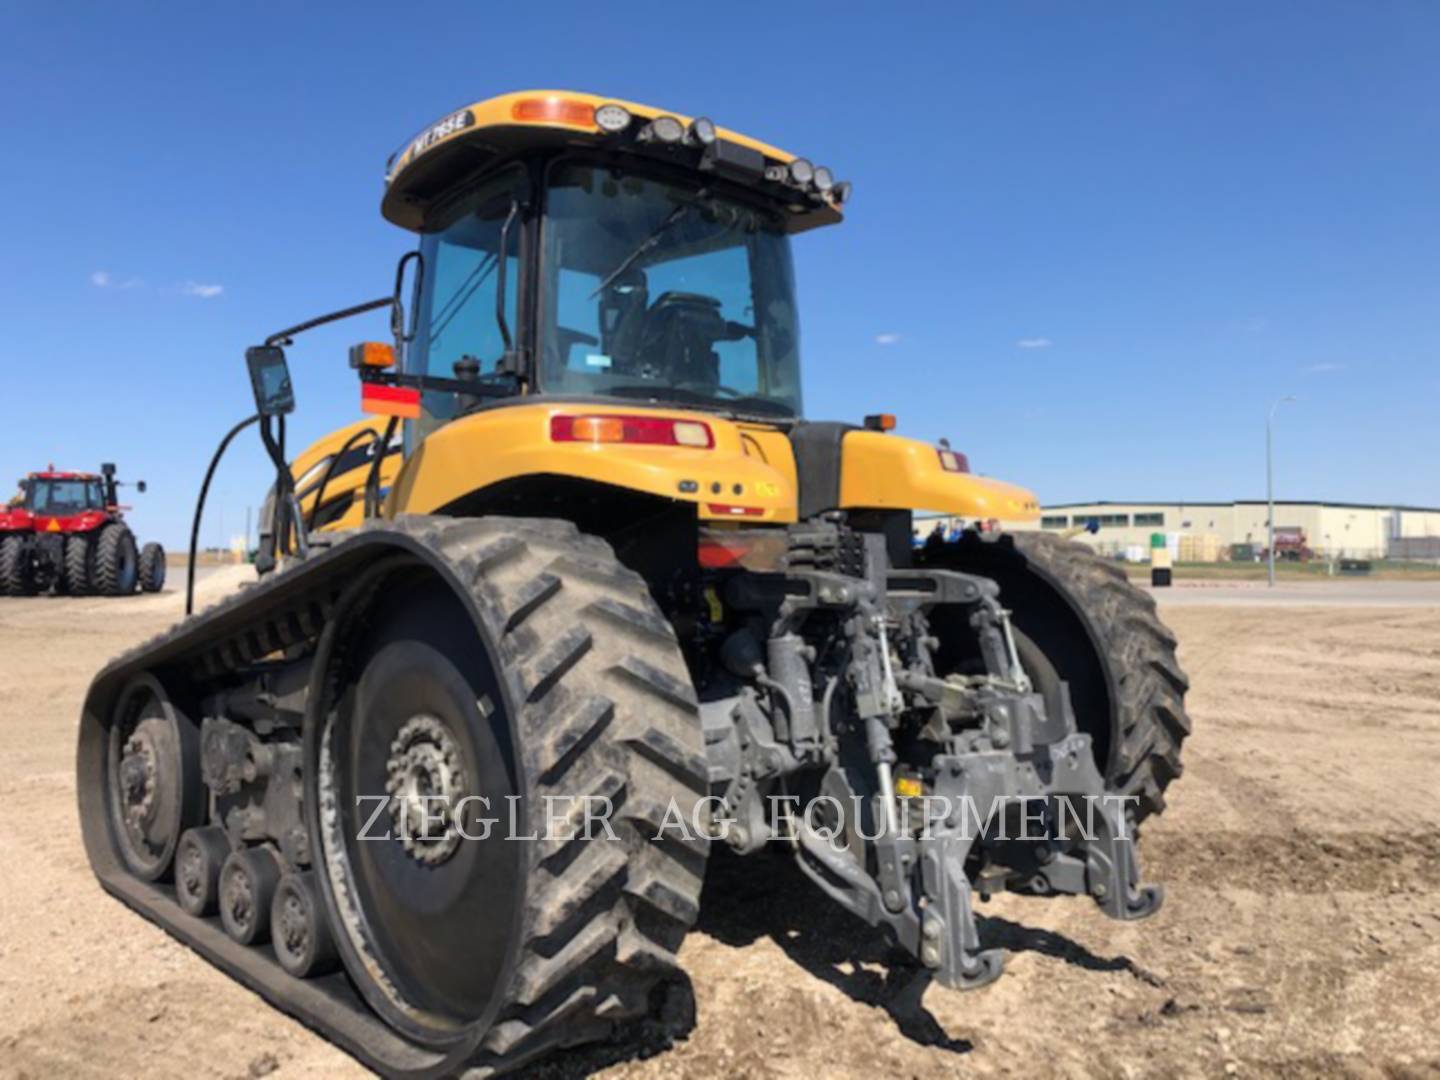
<point x="681" y="209"/>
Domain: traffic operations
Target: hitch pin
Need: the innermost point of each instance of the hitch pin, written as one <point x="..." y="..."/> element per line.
<point x="1017" y="673"/>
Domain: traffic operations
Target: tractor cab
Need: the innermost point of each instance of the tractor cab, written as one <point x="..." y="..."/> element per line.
<point x="63" y="495"/>
<point x="579" y="247"/>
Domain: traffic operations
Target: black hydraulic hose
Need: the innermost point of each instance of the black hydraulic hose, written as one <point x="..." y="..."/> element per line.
<point x="372" y="480"/>
<point x="329" y="474"/>
<point x="287" y="510"/>
<point x="200" y="507"/>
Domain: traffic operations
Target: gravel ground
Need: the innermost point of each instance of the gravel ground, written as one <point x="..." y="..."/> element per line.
<point x="1300" y="937"/>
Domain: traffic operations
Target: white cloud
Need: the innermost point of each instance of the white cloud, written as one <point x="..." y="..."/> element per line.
<point x="204" y="292"/>
<point x="1034" y="343"/>
<point x="103" y="279"/>
<point x="887" y="339"/>
<point x="1324" y="367"/>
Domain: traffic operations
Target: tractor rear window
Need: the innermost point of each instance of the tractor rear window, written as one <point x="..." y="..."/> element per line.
<point x="657" y="292"/>
<point x="60" y="497"/>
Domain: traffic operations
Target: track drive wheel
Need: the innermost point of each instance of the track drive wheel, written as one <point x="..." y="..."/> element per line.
<point x="152" y="567"/>
<point x="116" y="561"/>
<point x="15" y="577"/>
<point x="1080" y="619"/>
<point x="555" y="681"/>
<point x="77" y="564"/>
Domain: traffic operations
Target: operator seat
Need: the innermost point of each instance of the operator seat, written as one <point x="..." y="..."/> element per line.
<point x="679" y="337"/>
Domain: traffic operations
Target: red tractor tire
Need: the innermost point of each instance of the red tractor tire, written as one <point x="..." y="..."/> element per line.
<point x="116" y="561"/>
<point x="15" y="577"/>
<point x="152" y="567"/>
<point x="78" y="566"/>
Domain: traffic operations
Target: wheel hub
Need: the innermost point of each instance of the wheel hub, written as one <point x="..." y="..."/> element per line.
<point x="240" y="898"/>
<point x="294" y="923"/>
<point x="190" y="871"/>
<point x="138" y="767"/>
<point x="425" y="779"/>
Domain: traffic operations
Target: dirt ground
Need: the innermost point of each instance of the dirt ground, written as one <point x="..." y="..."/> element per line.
<point x="1300" y="936"/>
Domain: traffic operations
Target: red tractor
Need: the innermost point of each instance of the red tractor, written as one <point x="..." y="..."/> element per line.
<point x="64" y="532"/>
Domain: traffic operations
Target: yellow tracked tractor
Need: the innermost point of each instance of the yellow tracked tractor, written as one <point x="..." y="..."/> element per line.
<point x="586" y="597"/>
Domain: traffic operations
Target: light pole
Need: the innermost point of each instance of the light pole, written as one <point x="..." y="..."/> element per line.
<point x="1270" y="487"/>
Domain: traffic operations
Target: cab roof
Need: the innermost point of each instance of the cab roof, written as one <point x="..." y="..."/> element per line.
<point x="469" y="142"/>
<point x="51" y="474"/>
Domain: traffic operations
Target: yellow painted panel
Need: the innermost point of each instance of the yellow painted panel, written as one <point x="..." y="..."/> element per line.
<point x="880" y="471"/>
<point x="493" y="445"/>
<point x="308" y="467"/>
<point x="497" y="112"/>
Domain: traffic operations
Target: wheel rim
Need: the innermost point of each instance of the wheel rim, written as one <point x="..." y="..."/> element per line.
<point x="149" y="786"/>
<point x="192" y="876"/>
<point x="422" y="902"/>
<point x="294" y="929"/>
<point x="237" y="898"/>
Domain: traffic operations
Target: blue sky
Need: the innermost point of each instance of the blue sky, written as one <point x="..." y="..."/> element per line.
<point x="1089" y="243"/>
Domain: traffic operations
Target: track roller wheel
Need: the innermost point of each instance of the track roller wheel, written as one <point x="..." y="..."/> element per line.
<point x="153" y="778"/>
<point x="247" y="890"/>
<point x="299" y="928"/>
<point x="198" y="859"/>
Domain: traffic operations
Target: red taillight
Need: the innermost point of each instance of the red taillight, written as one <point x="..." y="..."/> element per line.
<point x="646" y="430"/>
<point x="953" y="461"/>
<point x="715" y="556"/>
<point x="727" y="510"/>
<point x="398" y="401"/>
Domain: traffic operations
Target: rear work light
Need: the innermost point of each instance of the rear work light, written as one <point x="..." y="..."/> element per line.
<point x="646" y="430"/>
<point x="953" y="461"/>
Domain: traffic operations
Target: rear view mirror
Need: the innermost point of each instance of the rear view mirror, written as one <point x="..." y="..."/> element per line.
<point x="140" y="486"/>
<point x="270" y="379"/>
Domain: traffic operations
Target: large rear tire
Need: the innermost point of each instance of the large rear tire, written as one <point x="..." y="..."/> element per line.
<point x="77" y="564"/>
<point x="152" y="567"/>
<point x="543" y="942"/>
<point x="15" y="577"/>
<point x="1101" y="635"/>
<point x="116" y="561"/>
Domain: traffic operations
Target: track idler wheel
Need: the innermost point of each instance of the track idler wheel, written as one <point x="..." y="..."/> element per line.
<point x="198" y="859"/>
<point x="248" y="881"/>
<point x="299" y="929"/>
<point x="154" y="784"/>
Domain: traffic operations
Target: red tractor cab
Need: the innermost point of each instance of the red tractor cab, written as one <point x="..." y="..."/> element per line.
<point x="65" y="532"/>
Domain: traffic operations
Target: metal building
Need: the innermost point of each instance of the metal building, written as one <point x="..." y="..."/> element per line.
<point x="1344" y="530"/>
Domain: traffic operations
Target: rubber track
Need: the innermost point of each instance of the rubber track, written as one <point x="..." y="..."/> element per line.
<point x="1139" y="652"/>
<point x="605" y="708"/>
